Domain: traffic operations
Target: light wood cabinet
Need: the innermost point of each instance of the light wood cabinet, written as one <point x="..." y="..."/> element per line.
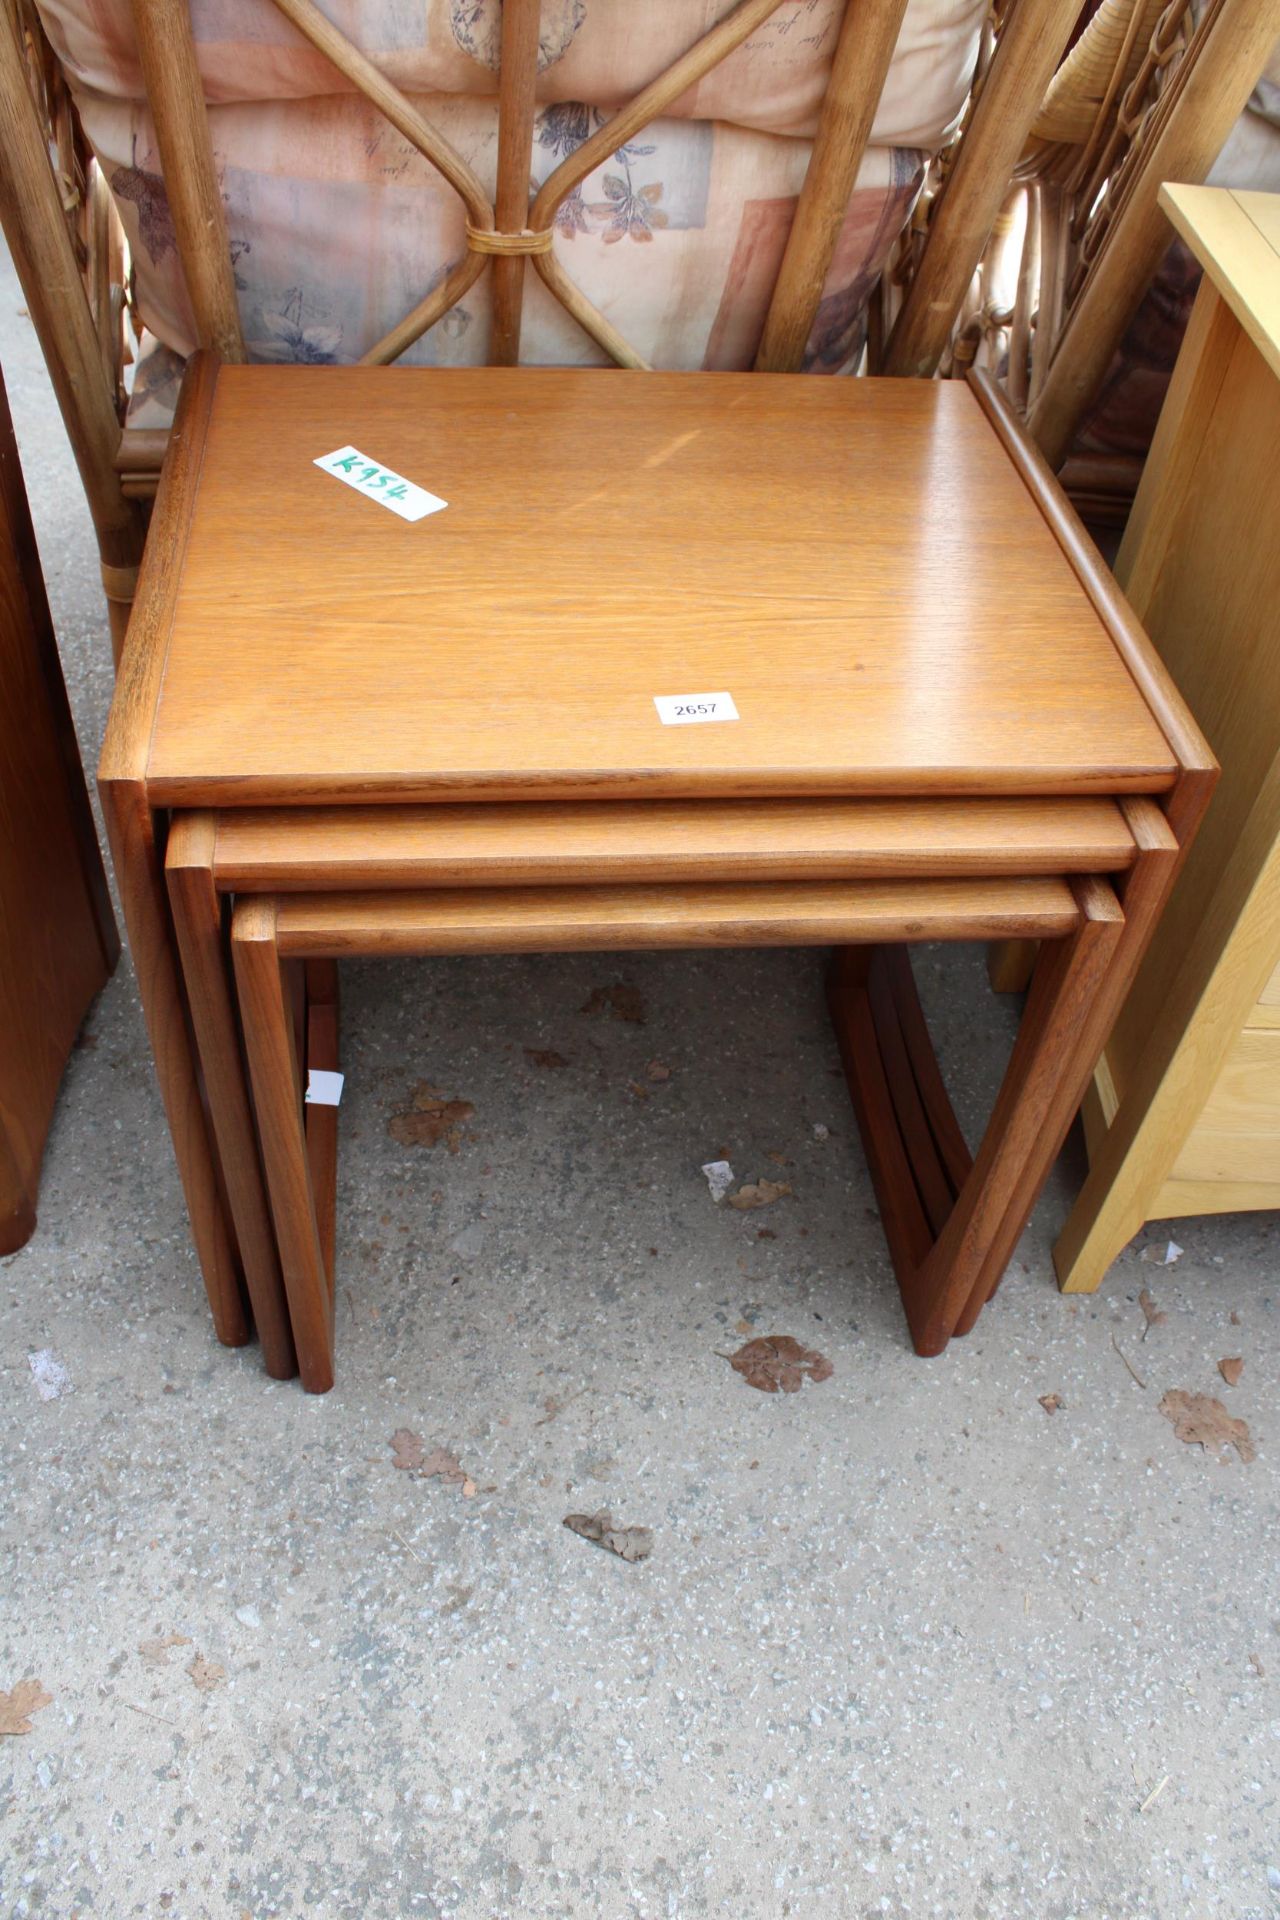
<point x="1184" y="1115"/>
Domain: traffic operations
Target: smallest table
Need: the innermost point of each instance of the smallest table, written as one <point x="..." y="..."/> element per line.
<point x="659" y="601"/>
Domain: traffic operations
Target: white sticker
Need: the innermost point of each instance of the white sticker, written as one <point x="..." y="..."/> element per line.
<point x="719" y="1178"/>
<point x="689" y="709"/>
<point x="380" y="483"/>
<point x="324" y="1089"/>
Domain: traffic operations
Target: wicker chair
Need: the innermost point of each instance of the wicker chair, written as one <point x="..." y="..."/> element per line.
<point x="1031" y="158"/>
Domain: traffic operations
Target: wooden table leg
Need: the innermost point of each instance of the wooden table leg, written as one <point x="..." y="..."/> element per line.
<point x="939" y="1272"/>
<point x="131" y="828"/>
<point x="322" y="1121"/>
<point x="275" y="1071"/>
<point x="1143" y="892"/>
<point x="1010" y="965"/>
<point x="197" y="919"/>
<point x="136" y="833"/>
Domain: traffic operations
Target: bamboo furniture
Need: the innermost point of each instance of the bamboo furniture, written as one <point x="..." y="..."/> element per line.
<point x="505" y="229"/>
<point x="58" y="942"/>
<point x="1148" y="92"/>
<point x="1179" y="140"/>
<point x="72" y="334"/>
<point x="1184" y="1114"/>
<point x="1034" y="246"/>
<point x="934" y="713"/>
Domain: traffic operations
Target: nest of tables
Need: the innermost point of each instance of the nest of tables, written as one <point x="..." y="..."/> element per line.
<point x="684" y="661"/>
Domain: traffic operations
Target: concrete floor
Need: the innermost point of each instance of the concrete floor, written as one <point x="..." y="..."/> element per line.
<point x="907" y="1643"/>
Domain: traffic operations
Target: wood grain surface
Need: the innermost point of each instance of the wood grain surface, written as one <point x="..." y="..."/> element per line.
<point x="1201" y="563"/>
<point x="857" y="563"/>
<point x="275" y="1071"/>
<point x="327" y="850"/>
<point x="197" y="911"/>
<point x="564" y="919"/>
<point x="137" y="851"/>
<point x="58" y="942"/>
<point x="1236" y="237"/>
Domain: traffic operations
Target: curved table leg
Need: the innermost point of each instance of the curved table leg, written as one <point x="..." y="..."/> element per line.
<point x="909" y="1132"/>
<point x="276" y="1074"/>
<point x="197" y="912"/>
<point x="322" y="1121"/>
<point x="131" y="828"/>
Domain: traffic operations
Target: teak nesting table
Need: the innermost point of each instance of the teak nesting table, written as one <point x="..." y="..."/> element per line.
<point x="501" y="727"/>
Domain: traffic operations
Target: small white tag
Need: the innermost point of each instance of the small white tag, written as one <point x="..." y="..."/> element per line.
<point x="380" y="483"/>
<point x="689" y="709"/>
<point x="324" y="1089"/>
<point x="719" y="1178"/>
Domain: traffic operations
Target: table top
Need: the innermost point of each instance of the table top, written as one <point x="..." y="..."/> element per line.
<point x="857" y="564"/>
<point x="1235" y="235"/>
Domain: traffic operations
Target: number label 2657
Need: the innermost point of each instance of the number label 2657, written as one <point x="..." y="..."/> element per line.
<point x="692" y="709"/>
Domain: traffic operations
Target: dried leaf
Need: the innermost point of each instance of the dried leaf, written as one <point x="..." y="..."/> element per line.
<point x="1051" y="1402"/>
<point x="1151" y="1312"/>
<point x="206" y="1674"/>
<point x="777" y="1363"/>
<point x="430" y="1120"/>
<point x="621" y="1002"/>
<point x="590" y="1525"/>
<point x="546" y="1057"/>
<point x="26" y="1698"/>
<point x="1231" y="1370"/>
<point x="406" y="1450"/>
<point x="1204" y="1422"/>
<point x="442" y="1464"/>
<point x="156" y="1652"/>
<point x="1235" y="1318"/>
<point x="656" y="1070"/>
<point x="762" y="1194"/>
<point x="629" y="1543"/>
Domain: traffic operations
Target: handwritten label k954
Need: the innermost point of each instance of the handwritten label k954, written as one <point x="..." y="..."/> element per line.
<point x="379" y="483"/>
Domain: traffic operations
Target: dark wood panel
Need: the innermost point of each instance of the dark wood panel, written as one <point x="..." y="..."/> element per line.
<point x="58" y="940"/>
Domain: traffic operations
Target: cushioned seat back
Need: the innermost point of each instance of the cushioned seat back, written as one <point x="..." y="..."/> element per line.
<point x="338" y="226"/>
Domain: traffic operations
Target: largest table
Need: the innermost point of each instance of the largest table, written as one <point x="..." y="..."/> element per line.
<point x="880" y="574"/>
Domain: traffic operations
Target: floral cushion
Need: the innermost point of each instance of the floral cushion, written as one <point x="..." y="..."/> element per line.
<point x="338" y="227"/>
